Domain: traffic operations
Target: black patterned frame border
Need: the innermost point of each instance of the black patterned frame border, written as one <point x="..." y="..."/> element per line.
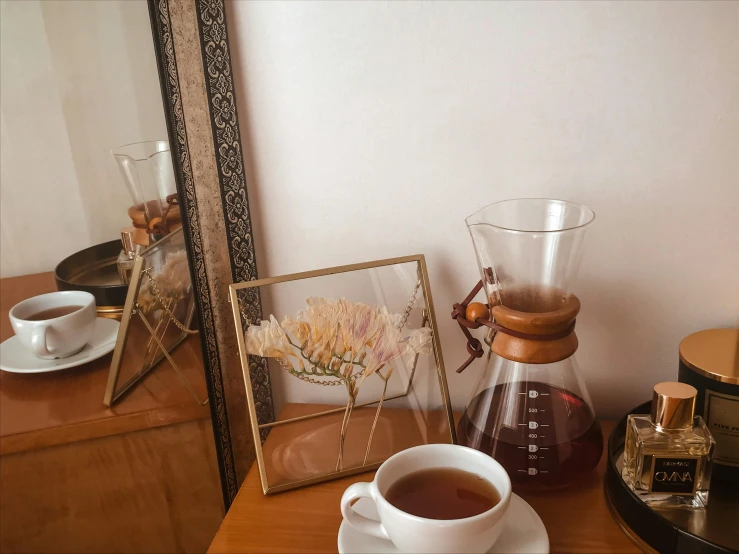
<point x="226" y="137"/>
<point x="219" y="91"/>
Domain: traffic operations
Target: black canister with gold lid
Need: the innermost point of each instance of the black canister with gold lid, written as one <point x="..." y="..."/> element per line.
<point x="709" y="360"/>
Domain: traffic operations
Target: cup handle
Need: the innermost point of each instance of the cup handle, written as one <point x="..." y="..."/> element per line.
<point x="38" y="341"/>
<point x="360" y="523"/>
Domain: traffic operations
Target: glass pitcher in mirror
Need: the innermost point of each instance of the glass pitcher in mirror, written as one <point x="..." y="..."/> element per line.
<point x="148" y="173"/>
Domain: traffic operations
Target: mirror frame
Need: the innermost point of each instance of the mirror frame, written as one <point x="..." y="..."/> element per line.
<point x="196" y="78"/>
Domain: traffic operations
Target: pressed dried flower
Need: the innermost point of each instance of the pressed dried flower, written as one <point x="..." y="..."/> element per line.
<point x="267" y="339"/>
<point x="327" y="329"/>
<point x="343" y="340"/>
<point x="172" y="281"/>
<point x="299" y="329"/>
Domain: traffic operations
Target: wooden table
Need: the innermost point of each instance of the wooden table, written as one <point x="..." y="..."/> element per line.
<point x="77" y="476"/>
<point x="38" y="410"/>
<point x="307" y="520"/>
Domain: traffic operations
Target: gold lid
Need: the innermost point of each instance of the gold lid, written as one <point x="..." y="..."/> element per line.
<point x="129" y="245"/>
<point x="673" y="405"/>
<point x="713" y="353"/>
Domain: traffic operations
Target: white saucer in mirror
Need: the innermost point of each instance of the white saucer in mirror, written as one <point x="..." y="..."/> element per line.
<point x="14" y="357"/>
<point x="523" y="532"/>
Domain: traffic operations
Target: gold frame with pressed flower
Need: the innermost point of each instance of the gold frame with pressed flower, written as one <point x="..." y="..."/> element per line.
<point x="163" y="328"/>
<point x="337" y="357"/>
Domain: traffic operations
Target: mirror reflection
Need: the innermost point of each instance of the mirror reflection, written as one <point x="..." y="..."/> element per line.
<point x="89" y="205"/>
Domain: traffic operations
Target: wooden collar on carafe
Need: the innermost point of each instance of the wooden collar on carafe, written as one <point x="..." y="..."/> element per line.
<point x="527" y="337"/>
<point x="550" y="336"/>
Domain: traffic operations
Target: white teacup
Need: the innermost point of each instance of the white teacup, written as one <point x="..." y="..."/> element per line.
<point x="56" y="337"/>
<point x="411" y="533"/>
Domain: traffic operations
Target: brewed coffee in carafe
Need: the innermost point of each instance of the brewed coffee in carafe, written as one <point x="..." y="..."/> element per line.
<point x="530" y="409"/>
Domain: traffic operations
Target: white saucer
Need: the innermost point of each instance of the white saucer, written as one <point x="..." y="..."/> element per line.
<point x="523" y="532"/>
<point x="14" y="357"/>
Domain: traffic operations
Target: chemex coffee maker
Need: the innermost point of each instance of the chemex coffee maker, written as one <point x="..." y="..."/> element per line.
<point x="530" y="409"/>
<point x="148" y="172"/>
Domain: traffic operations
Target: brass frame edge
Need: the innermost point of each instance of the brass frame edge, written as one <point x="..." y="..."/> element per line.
<point x="254" y="423"/>
<point x="326" y="271"/>
<point x="122" y="338"/>
<point x="322" y="478"/>
<point x="441" y="370"/>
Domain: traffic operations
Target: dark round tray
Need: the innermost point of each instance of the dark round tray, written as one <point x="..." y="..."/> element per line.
<point x="95" y="270"/>
<point x="713" y="530"/>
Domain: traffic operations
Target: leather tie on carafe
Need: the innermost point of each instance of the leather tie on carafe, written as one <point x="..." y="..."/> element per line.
<point x="563" y="340"/>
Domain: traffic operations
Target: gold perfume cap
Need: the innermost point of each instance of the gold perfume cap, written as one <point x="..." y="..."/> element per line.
<point x="673" y="405"/>
<point x="129" y="246"/>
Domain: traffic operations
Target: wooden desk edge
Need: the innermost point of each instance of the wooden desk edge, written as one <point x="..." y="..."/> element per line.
<point x="33" y="440"/>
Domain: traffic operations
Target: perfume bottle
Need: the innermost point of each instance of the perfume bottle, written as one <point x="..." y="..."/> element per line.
<point x="667" y="454"/>
<point x="127" y="255"/>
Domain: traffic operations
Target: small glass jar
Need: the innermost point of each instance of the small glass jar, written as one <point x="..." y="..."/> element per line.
<point x="127" y="257"/>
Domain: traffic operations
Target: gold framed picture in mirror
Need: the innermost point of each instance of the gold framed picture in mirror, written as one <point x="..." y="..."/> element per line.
<point x="157" y="316"/>
<point x="355" y="366"/>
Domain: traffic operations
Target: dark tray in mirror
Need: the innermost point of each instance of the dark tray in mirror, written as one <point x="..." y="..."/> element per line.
<point x="713" y="530"/>
<point x="94" y="270"/>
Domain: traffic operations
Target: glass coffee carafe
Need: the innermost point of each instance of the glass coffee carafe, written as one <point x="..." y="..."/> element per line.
<point x="531" y="410"/>
<point x="148" y="173"/>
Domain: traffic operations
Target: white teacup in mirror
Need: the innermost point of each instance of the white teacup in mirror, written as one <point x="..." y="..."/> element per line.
<point x="481" y="507"/>
<point x="55" y="325"/>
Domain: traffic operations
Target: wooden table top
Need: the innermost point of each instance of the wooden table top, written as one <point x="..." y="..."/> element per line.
<point x="45" y="409"/>
<point x="307" y="520"/>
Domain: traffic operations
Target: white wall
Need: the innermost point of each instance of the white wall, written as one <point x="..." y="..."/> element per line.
<point x="374" y="128"/>
<point x="77" y="79"/>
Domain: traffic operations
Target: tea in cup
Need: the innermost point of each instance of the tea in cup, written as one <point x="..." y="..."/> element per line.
<point x="55" y="325"/>
<point x="435" y="498"/>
